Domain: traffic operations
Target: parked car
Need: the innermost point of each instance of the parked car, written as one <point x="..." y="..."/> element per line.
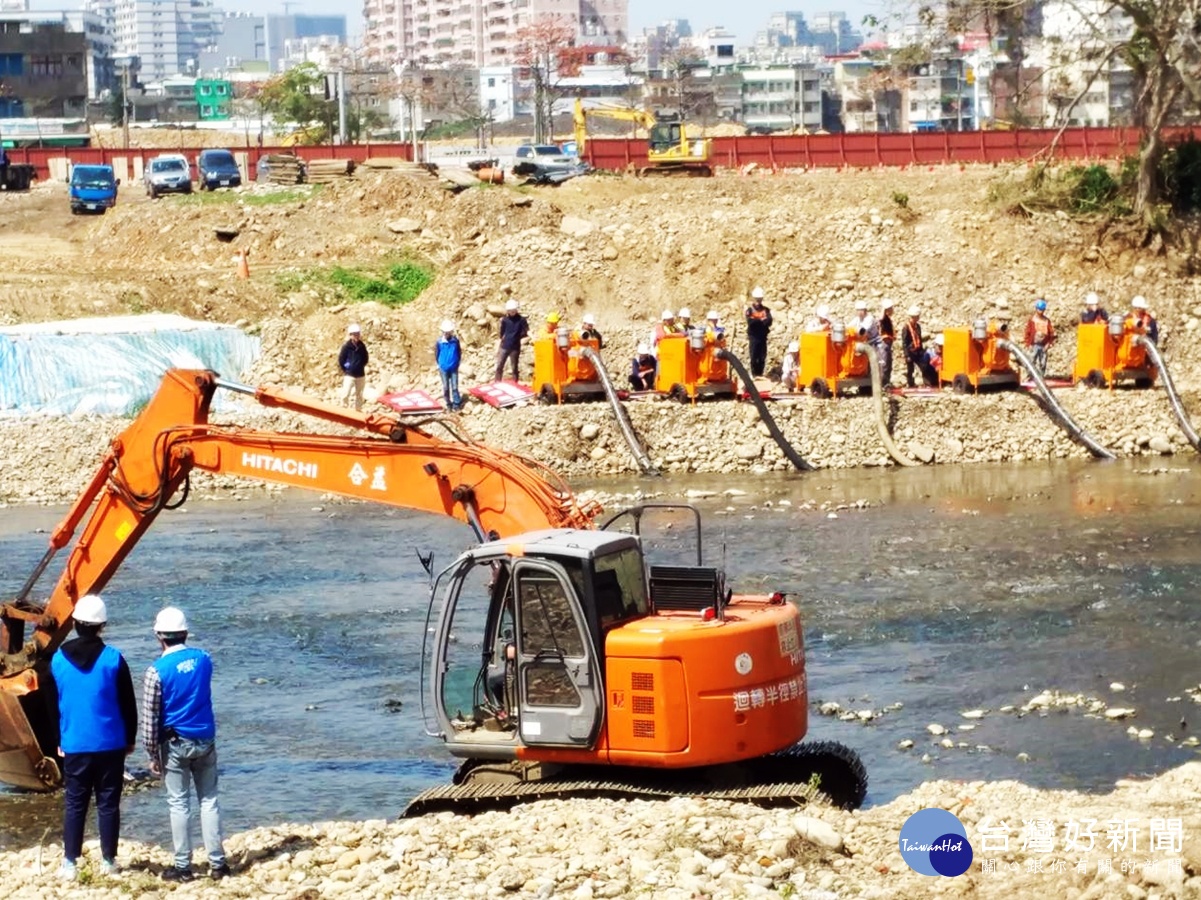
<point x="167" y="175"/>
<point x="217" y="168"/>
<point x="92" y="189"/>
<point x="546" y="162"/>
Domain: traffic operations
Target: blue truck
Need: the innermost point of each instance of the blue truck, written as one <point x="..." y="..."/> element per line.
<point x="93" y="189"/>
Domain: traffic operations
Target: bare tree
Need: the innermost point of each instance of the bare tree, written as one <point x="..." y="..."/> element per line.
<point x="1163" y="48"/>
<point x="540" y="51"/>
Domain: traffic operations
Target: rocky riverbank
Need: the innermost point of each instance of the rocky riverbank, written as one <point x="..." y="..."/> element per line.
<point x="1145" y="843"/>
<point x="48" y="460"/>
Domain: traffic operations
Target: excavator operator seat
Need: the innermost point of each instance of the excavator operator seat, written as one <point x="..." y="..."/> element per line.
<point x="694" y="588"/>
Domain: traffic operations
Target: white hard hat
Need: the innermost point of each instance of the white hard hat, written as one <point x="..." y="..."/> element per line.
<point x="448" y="325"/>
<point x="643" y="349"/>
<point x="668" y="314"/>
<point x="823" y="312"/>
<point x="510" y="305"/>
<point x="170" y="620"/>
<point x="915" y="310"/>
<point x="685" y="313"/>
<point x="886" y="303"/>
<point x="589" y="319"/>
<point x="354" y="329"/>
<point x="938" y="339"/>
<point x="712" y="315"/>
<point x="1139" y="302"/>
<point x="90" y="610"/>
<point x="1091" y="299"/>
<point x="793" y="347"/>
<point x="860" y="306"/>
<point x="1001" y="303"/>
<point x="758" y="294"/>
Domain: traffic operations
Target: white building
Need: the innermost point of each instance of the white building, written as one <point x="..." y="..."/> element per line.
<point x="781" y="98"/>
<point x="498" y="92"/>
<point x="1079" y="87"/>
<point x="166" y="36"/>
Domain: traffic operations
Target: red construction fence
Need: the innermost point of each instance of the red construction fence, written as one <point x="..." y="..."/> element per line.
<point x="771" y="150"/>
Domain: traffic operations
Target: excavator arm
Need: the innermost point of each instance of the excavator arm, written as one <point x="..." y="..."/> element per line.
<point x="668" y="145"/>
<point x="581" y="114"/>
<point x="149" y="463"/>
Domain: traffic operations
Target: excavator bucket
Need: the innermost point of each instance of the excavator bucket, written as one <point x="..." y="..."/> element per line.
<point x="21" y="760"/>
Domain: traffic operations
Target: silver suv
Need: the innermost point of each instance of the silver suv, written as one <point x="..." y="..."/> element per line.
<point x="168" y="175"/>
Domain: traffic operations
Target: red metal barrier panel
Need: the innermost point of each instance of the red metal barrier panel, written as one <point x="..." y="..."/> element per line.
<point x="897" y="149"/>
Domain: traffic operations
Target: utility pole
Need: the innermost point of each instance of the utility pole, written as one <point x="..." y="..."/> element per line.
<point x="341" y="106"/>
<point x="125" y="104"/>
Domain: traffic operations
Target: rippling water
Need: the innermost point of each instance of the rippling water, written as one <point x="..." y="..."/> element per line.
<point x="955" y="588"/>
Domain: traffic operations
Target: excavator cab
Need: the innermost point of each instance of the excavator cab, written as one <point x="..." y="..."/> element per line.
<point x="517" y="650"/>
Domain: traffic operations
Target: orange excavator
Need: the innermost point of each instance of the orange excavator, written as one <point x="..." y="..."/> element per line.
<point x="592" y="673"/>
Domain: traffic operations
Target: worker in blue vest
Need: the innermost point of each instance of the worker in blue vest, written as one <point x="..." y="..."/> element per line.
<point x="98" y="726"/>
<point x="180" y="737"/>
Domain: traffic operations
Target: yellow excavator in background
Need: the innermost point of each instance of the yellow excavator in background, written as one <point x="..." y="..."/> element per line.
<point x="669" y="149"/>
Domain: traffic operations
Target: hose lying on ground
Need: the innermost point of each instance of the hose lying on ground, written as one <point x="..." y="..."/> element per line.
<point x="1174" y="398"/>
<point x="619" y="412"/>
<point x="1054" y="409"/>
<point x="777" y="435"/>
<point x="878" y="399"/>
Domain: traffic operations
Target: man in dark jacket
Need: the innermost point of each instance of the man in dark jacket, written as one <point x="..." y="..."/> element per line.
<point x="642" y="369"/>
<point x="98" y="724"/>
<point x="352" y="360"/>
<point x="758" y="324"/>
<point x="888" y="335"/>
<point x="1093" y="311"/>
<point x="513" y="330"/>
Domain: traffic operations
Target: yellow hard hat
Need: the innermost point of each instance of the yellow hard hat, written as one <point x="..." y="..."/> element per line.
<point x="553" y="318"/>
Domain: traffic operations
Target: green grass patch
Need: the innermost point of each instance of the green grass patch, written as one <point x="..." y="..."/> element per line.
<point x="1078" y="190"/>
<point x="394" y="284"/>
<point x="250" y="198"/>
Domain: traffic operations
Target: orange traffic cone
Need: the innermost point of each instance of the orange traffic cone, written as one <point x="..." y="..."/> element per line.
<point x="243" y="265"/>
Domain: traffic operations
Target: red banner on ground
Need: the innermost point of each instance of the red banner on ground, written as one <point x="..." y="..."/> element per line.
<point x="502" y="393"/>
<point x="410" y="401"/>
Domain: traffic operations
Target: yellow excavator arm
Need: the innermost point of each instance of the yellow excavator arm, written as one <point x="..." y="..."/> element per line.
<point x="668" y="145"/>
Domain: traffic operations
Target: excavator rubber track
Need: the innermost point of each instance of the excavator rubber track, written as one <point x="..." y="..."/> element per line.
<point x="784" y="778"/>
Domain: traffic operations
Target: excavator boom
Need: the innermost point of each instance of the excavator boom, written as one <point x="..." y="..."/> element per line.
<point x="395" y="463"/>
<point x="669" y="148"/>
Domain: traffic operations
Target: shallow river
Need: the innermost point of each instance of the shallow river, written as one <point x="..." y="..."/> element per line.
<point x="956" y="588"/>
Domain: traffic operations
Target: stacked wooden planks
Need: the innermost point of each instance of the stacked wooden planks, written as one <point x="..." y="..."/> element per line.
<point x="325" y="171"/>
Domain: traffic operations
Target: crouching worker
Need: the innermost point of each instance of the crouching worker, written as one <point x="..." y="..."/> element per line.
<point x="642" y="369"/>
<point x="180" y="737"/>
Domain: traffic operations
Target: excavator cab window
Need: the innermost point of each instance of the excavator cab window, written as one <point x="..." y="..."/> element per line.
<point x="619" y="589"/>
<point x="665" y="136"/>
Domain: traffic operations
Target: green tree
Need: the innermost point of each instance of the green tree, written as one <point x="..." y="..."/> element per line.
<point x="297" y="97"/>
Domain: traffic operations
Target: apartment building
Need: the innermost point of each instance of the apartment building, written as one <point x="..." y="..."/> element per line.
<point x="42" y="67"/>
<point x="166" y="36"/>
<point x="1080" y="86"/>
<point x="781" y="98"/>
<point x="477" y="32"/>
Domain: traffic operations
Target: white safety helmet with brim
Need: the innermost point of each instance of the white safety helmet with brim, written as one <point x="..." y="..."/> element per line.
<point x="1139" y="302"/>
<point x="823" y="311"/>
<point x="354" y="329"/>
<point x="860" y="306"/>
<point x="667" y="314"/>
<point x="447" y="326"/>
<point x="170" y="620"/>
<point x="589" y="319"/>
<point x="510" y="305"/>
<point x="915" y="311"/>
<point x="757" y="294"/>
<point x="712" y="315"/>
<point x="1091" y="299"/>
<point x="90" y="610"/>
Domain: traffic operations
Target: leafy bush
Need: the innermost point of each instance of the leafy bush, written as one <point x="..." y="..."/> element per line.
<point x="1180" y="175"/>
<point x="1094" y="189"/>
<point x="399" y="283"/>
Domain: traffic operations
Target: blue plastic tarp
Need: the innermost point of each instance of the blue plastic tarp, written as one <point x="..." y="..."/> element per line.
<point x="111" y="365"/>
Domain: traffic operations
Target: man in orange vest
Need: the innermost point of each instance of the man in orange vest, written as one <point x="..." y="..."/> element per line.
<point x="916" y="355"/>
<point x="1040" y="334"/>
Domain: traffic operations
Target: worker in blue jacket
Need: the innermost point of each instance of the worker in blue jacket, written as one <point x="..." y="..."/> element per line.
<point x="98" y="724"/>
<point x="448" y="353"/>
